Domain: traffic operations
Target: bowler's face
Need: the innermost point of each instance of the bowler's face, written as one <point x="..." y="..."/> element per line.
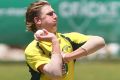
<point x="48" y="19"/>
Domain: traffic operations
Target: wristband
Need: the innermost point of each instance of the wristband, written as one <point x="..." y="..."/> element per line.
<point x="86" y="52"/>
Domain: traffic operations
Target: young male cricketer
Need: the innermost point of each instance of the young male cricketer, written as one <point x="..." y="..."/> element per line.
<point x="46" y="54"/>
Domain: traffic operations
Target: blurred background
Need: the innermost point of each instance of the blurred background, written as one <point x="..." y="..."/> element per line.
<point x="91" y="17"/>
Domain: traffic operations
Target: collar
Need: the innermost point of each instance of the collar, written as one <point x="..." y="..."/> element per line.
<point x="48" y="42"/>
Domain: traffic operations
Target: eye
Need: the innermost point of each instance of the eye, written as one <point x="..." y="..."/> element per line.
<point x="51" y="13"/>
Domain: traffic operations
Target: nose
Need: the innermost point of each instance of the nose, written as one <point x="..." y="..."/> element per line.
<point x="54" y="16"/>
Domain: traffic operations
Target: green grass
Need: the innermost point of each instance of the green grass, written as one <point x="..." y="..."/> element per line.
<point x="97" y="71"/>
<point x="13" y="71"/>
<point x="83" y="71"/>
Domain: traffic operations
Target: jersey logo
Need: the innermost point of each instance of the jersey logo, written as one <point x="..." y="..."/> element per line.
<point x="66" y="49"/>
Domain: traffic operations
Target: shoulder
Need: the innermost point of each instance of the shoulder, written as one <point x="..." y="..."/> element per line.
<point x="71" y="33"/>
<point x="31" y="46"/>
<point x="75" y="35"/>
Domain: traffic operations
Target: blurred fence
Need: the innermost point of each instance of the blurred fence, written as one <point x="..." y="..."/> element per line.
<point x="110" y="51"/>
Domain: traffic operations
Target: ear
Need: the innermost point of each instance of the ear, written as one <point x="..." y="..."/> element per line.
<point x="37" y="20"/>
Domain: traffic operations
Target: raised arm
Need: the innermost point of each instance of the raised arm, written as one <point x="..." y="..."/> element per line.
<point x="54" y="67"/>
<point x="93" y="44"/>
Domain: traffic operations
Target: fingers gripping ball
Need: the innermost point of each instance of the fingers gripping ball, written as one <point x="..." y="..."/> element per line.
<point x="39" y="32"/>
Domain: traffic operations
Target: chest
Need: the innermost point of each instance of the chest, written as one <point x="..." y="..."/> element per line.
<point x="65" y="47"/>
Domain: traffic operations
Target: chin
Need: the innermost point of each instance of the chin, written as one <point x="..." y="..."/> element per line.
<point x="54" y="30"/>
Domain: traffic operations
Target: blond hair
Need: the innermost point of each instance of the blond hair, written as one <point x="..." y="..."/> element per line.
<point x="33" y="11"/>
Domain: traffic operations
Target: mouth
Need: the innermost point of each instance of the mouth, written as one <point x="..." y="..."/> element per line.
<point x="55" y="21"/>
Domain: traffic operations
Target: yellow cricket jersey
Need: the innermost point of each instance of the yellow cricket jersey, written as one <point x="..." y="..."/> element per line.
<point x="38" y="53"/>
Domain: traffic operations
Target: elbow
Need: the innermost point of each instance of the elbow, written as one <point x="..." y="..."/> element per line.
<point x="57" y="74"/>
<point x="54" y="72"/>
<point x="100" y="41"/>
